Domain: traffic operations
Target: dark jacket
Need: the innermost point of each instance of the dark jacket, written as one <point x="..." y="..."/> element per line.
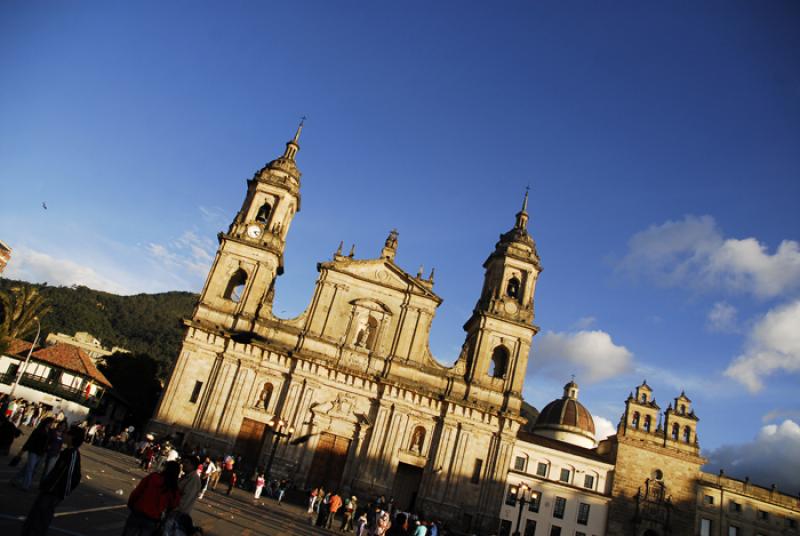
<point x="37" y="441"/>
<point x="65" y="475"/>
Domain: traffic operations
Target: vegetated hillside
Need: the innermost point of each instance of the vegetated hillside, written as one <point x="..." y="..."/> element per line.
<point x="142" y="323"/>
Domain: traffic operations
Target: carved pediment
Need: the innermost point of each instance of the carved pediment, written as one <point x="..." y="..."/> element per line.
<point x="382" y="272"/>
<point x="341" y="408"/>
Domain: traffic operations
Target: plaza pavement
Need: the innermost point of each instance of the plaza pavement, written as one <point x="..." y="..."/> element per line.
<point x="97" y="508"/>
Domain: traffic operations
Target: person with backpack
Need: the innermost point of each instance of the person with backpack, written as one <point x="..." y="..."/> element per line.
<point x="62" y="480"/>
<point x="155" y="495"/>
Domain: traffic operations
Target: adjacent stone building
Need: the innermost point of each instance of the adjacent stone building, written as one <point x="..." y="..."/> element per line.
<point x="352" y="379"/>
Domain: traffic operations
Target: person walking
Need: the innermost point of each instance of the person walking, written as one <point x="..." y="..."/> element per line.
<point x="350" y="507"/>
<point x="209" y="470"/>
<point x="156" y="494"/>
<point x="57" y="485"/>
<point x="361" y="525"/>
<point x="333" y="506"/>
<point x="260" y="481"/>
<point x="36" y="447"/>
<point x="282" y="487"/>
<point x="189" y="485"/>
<point x="55" y="439"/>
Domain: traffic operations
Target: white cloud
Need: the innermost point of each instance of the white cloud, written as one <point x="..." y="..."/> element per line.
<point x="591" y="355"/>
<point x="189" y="252"/>
<point x="213" y="215"/>
<point x="603" y="427"/>
<point x="585" y="322"/>
<point x="31" y="265"/>
<point x="777" y="414"/>
<point x="693" y="251"/>
<point x="722" y="317"/>
<point x="773" y="457"/>
<point x="773" y="344"/>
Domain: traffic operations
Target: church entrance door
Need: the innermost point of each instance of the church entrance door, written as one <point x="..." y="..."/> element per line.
<point x="406" y="486"/>
<point x="328" y="463"/>
<point x="248" y="443"/>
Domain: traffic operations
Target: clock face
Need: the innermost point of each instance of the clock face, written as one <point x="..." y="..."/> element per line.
<point x="254" y="231"/>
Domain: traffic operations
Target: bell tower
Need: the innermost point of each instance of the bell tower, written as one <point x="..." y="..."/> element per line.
<point x="500" y="330"/>
<point x="240" y="284"/>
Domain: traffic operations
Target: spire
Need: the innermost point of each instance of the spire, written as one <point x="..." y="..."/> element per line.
<point x="293" y="146"/>
<point x="522" y="215"/>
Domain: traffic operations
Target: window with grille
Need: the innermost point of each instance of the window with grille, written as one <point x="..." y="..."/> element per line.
<point x="530" y="528"/>
<point x="519" y="463"/>
<point x="559" y="508"/>
<point x="583" y="514"/>
<point x="564" y="475"/>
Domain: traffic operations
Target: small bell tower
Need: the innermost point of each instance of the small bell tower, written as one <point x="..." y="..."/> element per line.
<point x="500" y="330"/>
<point x="241" y="282"/>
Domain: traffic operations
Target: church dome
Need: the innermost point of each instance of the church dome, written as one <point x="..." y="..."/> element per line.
<point x="566" y="419"/>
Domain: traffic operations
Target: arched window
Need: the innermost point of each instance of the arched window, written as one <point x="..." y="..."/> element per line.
<point x="675" y="431"/>
<point x="648" y="422"/>
<point x="497" y="368"/>
<point x="235" y="287"/>
<point x="512" y="289"/>
<point x="417" y="440"/>
<point x="265" y="396"/>
<point x="644" y="398"/>
<point x="683" y="409"/>
<point x="635" y="419"/>
<point x="263" y="213"/>
<point x="687" y="434"/>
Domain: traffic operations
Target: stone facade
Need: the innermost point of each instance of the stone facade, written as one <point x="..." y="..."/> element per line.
<point x="739" y="508"/>
<point x="352" y="379"/>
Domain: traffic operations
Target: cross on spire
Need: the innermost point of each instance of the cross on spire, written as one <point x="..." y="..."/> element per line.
<point x="300" y="128"/>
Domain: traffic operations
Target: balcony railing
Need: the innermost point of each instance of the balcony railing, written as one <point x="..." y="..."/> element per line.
<point x="53" y="387"/>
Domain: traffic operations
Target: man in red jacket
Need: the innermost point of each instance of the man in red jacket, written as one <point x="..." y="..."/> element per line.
<point x="62" y="479"/>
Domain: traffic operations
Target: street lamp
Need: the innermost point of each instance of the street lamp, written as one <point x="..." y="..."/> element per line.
<point x="27" y="358"/>
<point x="277" y="426"/>
<point x="519" y="493"/>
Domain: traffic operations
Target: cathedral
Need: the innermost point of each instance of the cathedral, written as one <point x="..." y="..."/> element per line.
<point x="348" y="396"/>
<point x="369" y="409"/>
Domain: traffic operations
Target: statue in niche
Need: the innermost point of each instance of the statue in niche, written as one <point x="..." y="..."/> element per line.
<point x="265" y="395"/>
<point x="363" y="332"/>
<point x="418" y="439"/>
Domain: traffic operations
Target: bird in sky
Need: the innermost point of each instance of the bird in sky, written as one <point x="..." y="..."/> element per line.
<point x="44" y="205"/>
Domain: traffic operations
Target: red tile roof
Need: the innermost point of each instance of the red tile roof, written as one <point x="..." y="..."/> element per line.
<point x="71" y="358"/>
<point x="18" y="346"/>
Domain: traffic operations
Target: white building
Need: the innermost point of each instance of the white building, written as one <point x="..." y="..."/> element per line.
<point x="62" y="377"/>
<point x="564" y="483"/>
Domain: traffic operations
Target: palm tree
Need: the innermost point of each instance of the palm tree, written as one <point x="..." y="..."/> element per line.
<point x="19" y="309"/>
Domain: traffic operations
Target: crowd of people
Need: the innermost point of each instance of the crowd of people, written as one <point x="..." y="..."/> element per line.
<point x="163" y="500"/>
<point x="329" y="510"/>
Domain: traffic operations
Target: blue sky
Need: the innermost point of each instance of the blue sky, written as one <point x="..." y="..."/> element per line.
<point x="660" y="144"/>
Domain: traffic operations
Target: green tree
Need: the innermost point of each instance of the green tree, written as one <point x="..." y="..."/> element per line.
<point x="20" y="307"/>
